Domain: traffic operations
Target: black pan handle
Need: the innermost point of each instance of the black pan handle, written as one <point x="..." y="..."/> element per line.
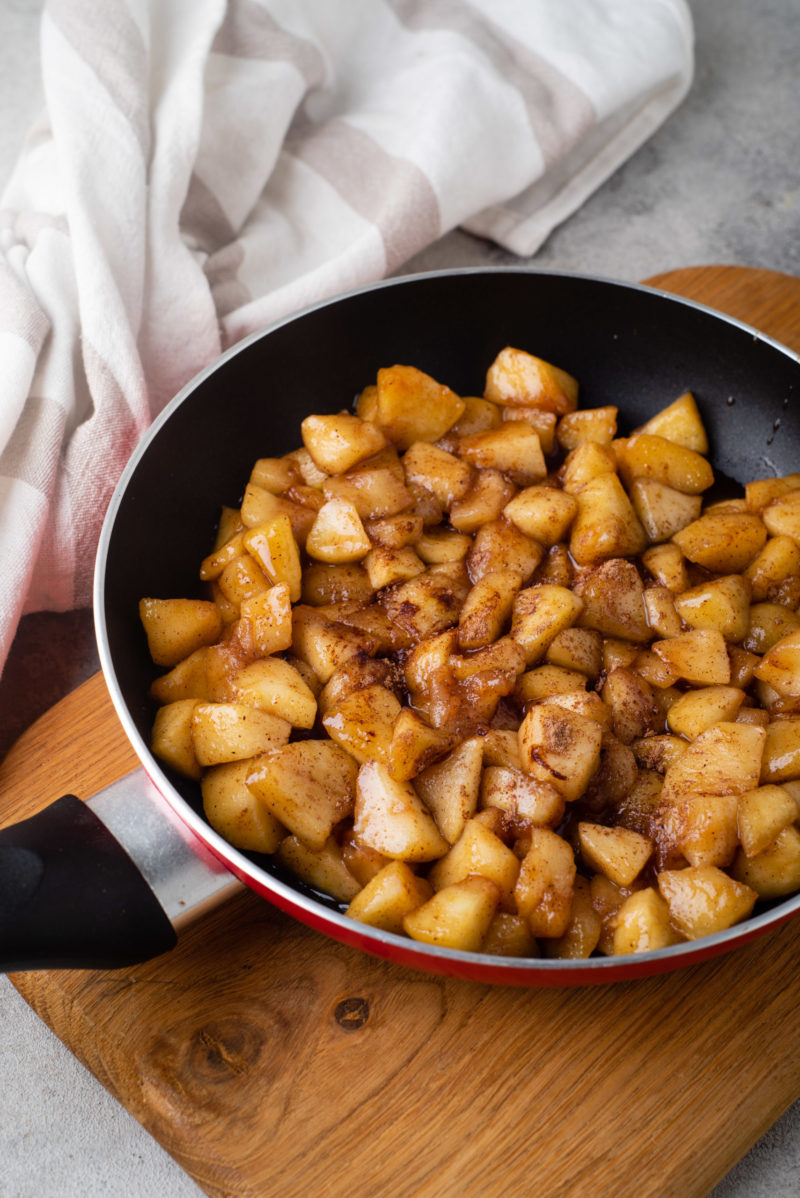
<point x="102" y="884"/>
<point x="71" y="897"/>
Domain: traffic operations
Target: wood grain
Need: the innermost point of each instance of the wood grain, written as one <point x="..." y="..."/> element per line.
<point x="271" y="1061"/>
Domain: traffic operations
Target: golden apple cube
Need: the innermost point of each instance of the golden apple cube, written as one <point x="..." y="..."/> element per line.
<point x="781" y="762"/>
<point x="274" y="685"/>
<point x="588" y="424"/>
<point x="521" y="795"/>
<point x="234" y="731"/>
<point x="487" y="608"/>
<point x="539" y="613"/>
<point x="576" y="649"/>
<point x="520" y="379"/>
<point x="680" y="422"/>
<point x="782" y="516"/>
<point x="543" y="424"/>
<point x="645" y="455"/>
<point x="642" y="924"/>
<point x="606" y="525"/>
<point x="512" y="448"/>
<point x="274" y="547"/>
<point x="725" y="759"/>
<point x="325" y="644"/>
<point x="769" y="623"/>
<point x="308" y="785"/>
<point x="699" y="656"/>
<point x="780" y="666"/>
<point x="613" y="601"/>
<point x="660" y="612"/>
<point x="442" y="473"/>
<point x="171" y="738"/>
<point x="662" y="510"/>
<point x="442" y="545"/>
<point x="774" y="573"/>
<point x="775" y="871"/>
<point x="667" y="565"/>
<point x="547" y="682"/>
<point x="560" y="747"/>
<point x="479" y="414"/>
<point x="703" y="827"/>
<point x="478" y="851"/>
<point x="586" y="463"/>
<point x="423" y="606"/>
<point x="260" y="506"/>
<point x="721" y="603"/>
<point x="450" y="788"/>
<point x="390" y="817"/>
<point x="392" y="894"/>
<point x="703" y="899"/>
<point x="415" y="745"/>
<point x="412" y="406"/>
<point x="186" y="680"/>
<point x="509" y="936"/>
<point x="618" y="853"/>
<point x="324" y="868"/>
<point x="385" y="567"/>
<point x="362" y="723"/>
<point x="631" y="702"/>
<point x="697" y="710"/>
<point x="583" y="931"/>
<point x="545" y="884"/>
<point x="376" y="492"/>
<point x="233" y="810"/>
<point x="337" y="534"/>
<point x="763" y="813"/>
<point x="459" y="916"/>
<point x="542" y="513"/>
<point x="724" y="542"/>
<point x="176" y="627"/>
<point x="499" y="545"/>
<point x="337" y="442"/>
<point x="487" y="496"/>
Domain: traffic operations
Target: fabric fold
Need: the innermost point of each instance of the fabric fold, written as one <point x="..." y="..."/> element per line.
<point x="204" y="168"/>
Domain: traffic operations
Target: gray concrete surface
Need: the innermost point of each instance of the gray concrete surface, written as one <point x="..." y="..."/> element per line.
<point x="720" y="182"/>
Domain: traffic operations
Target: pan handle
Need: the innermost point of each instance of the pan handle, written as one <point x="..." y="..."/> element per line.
<point x="102" y="884"/>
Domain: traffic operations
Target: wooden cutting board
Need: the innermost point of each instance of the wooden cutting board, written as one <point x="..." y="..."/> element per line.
<point x="270" y="1061"/>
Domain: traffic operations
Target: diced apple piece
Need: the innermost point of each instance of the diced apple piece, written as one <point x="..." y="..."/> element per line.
<point x="578" y="649"/>
<point x="274" y="685"/>
<point x="323" y="868"/>
<point x="395" y="532"/>
<point x="394" y="892"/>
<point x="362" y="723"/>
<point x="450" y="788"/>
<point x="186" y="680"/>
<point x="667" y="565"/>
<point x="769" y="623"/>
<point x="308" y="785"/>
<point x="425" y="605"/>
<point x="613" y="601"/>
<point x="588" y="424"/>
<point x="260" y="507"/>
<point x="582" y="934"/>
<point x="774" y="573"/>
<point x="618" y="853"/>
<point x="270" y="616"/>
<point x="680" y="422"/>
<point x="233" y="731"/>
<point x="722" y="604"/>
<point x="545" y="884"/>
<point x="171" y="738"/>
<point x="631" y="703"/>
<point x="658" y="752"/>
<point x="488" y="493"/>
<point x="499" y="545"/>
<point x="780" y="666"/>
<point x="782" y="516"/>
<point x="703" y="827"/>
<point x="646" y="455"/>
<point x="459" y="916"/>
<point x="724" y="542"/>
<point x="539" y="614"/>
<point x="442" y="545"/>
<point x="512" y="448"/>
<point x="376" y="492"/>
<point x="542" y="513"/>
<point x="698" y="710"/>
<point x="781" y="762"/>
<point x="642" y="924"/>
<point x="509" y="936"/>
<point x="176" y="627"/>
<point x="415" y="745"/>
<point x="478" y="851"/>
<point x="390" y="817"/>
<point x="337" y="534"/>
<point x="385" y="567"/>
<point x="478" y="415"/>
<point x="337" y="442"/>
<point x="699" y="656"/>
<point x="412" y="406"/>
<point x="233" y="810"/>
<point x="521" y="380"/>
<point x="725" y="759"/>
<point x="560" y="747"/>
<point x="440" y="472"/>
<point x="274" y="547"/>
<point x="606" y="525"/>
<point x="487" y="609"/>
<point x="703" y="900"/>
<point x="324" y="644"/>
<point x="660" y="612"/>
<point x="764" y="813"/>
<point x="521" y="795"/>
<point x="662" y="510"/>
<point x="775" y="871"/>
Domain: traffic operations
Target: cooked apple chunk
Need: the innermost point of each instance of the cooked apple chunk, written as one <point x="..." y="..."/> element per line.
<point x="703" y="900"/>
<point x="560" y="747"/>
<point x="411" y="406"/>
<point x="642" y="923"/>
<point x="337" y="534"/>
<point x="308" y="785"/>
<point x="458" y="916"/>
<point x="618" y="853"/>
<point x="762" y="815"/>
<point x="390" y="817"/>
<point x="450" y="788"/>
<point x="233" y="810"/>
<point x="393" y="893"/>
<point x="680" y="422"/>
<point x="545" y="884"/>
<point x="337" y="442"/>
<point x="324" y="868"/>
<point x="233" y="731"/>
<point x="176" y="627"/>
<point x="520" y="379"/>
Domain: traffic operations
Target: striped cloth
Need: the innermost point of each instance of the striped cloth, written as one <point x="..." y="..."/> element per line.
<point x="205" y="167"/>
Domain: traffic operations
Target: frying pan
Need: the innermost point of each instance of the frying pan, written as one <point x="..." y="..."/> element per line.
<point x="106" y="883"/>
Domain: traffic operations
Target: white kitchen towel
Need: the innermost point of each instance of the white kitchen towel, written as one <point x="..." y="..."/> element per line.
<point x="205" y="167"/>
